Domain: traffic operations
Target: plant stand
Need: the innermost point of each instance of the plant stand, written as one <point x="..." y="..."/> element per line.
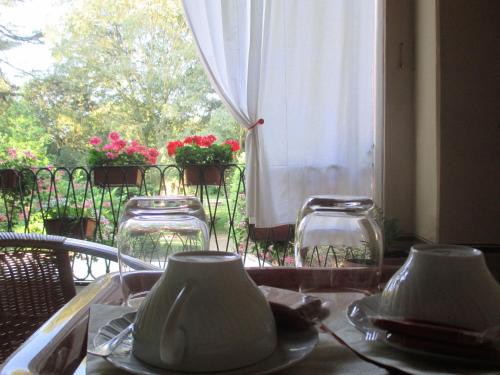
<point x="82" y="228"/>
<point x="195" y="175"/>
<point x="118" y="176"/>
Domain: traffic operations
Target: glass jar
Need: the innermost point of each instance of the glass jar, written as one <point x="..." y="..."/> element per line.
<point x="152" y="228"/>
<point x="339" y="232"/>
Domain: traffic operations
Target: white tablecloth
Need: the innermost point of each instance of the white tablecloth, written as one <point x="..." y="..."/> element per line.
<point x="329" y="357"/>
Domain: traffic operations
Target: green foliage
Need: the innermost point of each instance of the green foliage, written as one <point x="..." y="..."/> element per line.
<point x="120" y="65"/>
<point x="11" y="159"/>
<point x="223" y="126"/>
<point x="216" y="154"/>
<point x="389" y="225"/>
<point x="238" y="196"/>
<point x="21" y="130"/>
<point x="69" y="210"/>
<point x="22" y="162"/>
<point x="123" y="66"/>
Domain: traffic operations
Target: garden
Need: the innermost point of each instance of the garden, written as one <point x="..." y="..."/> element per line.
<point x="79" y="139"/>
<point x="86" y="201"/>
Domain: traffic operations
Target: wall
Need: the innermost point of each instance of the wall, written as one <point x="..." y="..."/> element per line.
<point x="426" y="121"/>
<point x="469" y="41"/>
<point x="399" y="143"/>
<point x="442" y="119"/>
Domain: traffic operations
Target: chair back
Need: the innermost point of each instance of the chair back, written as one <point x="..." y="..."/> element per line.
<point x="36" y="280"/>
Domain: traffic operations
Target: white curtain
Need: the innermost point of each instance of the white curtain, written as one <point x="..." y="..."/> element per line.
<point x="308" y="69"/>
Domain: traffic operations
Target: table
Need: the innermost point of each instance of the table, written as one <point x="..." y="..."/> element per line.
<point x="59" y="346"/>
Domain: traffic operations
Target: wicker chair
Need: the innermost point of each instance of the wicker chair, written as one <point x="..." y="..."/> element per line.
<point x="36" y="280"/>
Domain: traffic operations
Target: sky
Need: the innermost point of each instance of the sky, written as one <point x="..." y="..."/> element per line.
<point x="24" y="18"/>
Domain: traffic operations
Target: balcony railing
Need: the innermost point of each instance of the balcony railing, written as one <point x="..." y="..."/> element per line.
<point x="90" y="201"/>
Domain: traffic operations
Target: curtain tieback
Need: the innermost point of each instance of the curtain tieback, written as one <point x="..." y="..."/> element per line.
<point x="258" y="122"/>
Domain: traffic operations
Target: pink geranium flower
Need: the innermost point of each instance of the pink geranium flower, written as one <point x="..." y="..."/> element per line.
<point x="120" y="152"/>
<point x="119" y="144"/>
<point x="17" y="159"/>
<point x="95" y="141"/>
<point x="131" y="150"/>
<point x="12" y="153"/>
<point x="153" y="152"/>
<point x="29" y="155"/>
<point x="114" y="136"/>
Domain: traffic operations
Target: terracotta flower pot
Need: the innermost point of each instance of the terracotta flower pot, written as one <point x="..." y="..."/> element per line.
<point x="280" y="233"/>
<point x="9" y="178"/>
<point x="118" y="176"/>
<point x="71" y="227"/>
<point x="202" y="175"/>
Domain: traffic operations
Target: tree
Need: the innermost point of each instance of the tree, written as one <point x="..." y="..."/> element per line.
<point x="129" y="66"/>
<point x="20" y="129"/>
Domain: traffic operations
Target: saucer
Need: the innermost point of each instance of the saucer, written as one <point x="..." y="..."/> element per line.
<point x="359" y="313"/>
<point x="292" y="346"/>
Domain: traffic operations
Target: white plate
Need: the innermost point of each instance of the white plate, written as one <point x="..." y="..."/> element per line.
<point x="292" y="347"/>
<point x="359" y="313"/>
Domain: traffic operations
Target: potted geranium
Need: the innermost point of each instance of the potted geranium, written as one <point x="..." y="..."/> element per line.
<point x="202" y="159"/>
<point x="117" y="163"/>
<point x="14" y="171"/>
<point x="70" y="221"/>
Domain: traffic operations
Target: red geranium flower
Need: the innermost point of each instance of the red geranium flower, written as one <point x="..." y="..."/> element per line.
<point x="198" y="140"/>
<point x="203" y="150"/>
<point x="208" y="140"/>
<point x="235" y="146"/>
<point x="172" y="146"/>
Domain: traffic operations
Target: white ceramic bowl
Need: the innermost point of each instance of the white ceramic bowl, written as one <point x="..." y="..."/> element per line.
<point x="444" y="284"/>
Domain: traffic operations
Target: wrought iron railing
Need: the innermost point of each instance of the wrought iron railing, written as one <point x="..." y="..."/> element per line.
<point x="86" y="203"/>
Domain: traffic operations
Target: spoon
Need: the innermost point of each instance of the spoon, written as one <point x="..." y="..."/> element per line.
<point x="106" y="348"/>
